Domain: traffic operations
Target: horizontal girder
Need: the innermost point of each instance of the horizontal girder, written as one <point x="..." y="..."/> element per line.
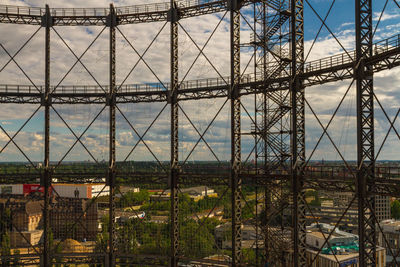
<point x="329" y="69"/>
<point x="124" y="15"/>
<point x="98" y="16"/>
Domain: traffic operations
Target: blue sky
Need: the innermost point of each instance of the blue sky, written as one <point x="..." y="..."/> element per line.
<point x="323" y="98"/>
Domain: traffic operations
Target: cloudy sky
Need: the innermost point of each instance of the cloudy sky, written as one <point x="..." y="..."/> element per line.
<point x="133" y="120"/>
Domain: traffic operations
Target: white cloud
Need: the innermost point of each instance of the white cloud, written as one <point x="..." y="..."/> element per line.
<point x="323" y="98"/>
<point x="385" y="16"/>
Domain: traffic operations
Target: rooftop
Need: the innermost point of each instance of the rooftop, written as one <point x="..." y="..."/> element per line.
<point x="341" y="257"/>
<point x="317" y="229"/>
<point x="390" y="226"/>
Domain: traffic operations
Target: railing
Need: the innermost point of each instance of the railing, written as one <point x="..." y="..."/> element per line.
<point x="320" y="64"/>
<point x="279" y="4"/>
<point x="329" y="62"/>
<point x="22" y="10"/>
<point x="100" y="12"/>
<point x="147" y="8"/>
<point x="210" y="82"/>
<point x="30" y="89"/>
<point x="329" y="172"/>
<point x="79" y="12"/>
<point x="387" y="172"/>
<point x="386" y="45"/>
<point x="80" y="89"/>
<point x="344" y="58"/>
<point x="341" y="171"/>
<point x="161" y="7"/>
<point x="147" y="87"/>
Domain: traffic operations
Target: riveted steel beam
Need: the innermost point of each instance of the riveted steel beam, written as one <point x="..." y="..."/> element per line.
<point x="365" y="135"/>
<point x="236" y="180"/>
<point x="111" y="176"/>
<point x="173" y="17"/>
<point x="46" y="177"/>
<point x="298" y="133"/>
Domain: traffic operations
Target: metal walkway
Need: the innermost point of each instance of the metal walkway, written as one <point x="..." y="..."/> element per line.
<point x="324" y="70"/>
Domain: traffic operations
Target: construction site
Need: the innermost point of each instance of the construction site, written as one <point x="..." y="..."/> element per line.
<point x="200" y="133"/>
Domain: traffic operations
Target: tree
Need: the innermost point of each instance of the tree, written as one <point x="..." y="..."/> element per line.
<point x="197" y="244"/>
<point x="16" y="260"/>
<point x="134" y="198"/>
<point x="248" y="210"/>
<point x="249" y="256"/>
<point x="54" y="248"/>
<point x="315" y="202"/>
<point x="395" y="209"/>
<point x="5" y="249"/>
<point x="103" y="237"/>
<point x="127" y="243"/>
<point x="5" y="222"/>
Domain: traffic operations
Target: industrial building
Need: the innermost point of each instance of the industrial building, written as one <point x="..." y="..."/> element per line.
<point x="85" y="191"/>
<point x="318" y="233"/>
<point x="342" y="260"/>
<point x="195" y="193"/>
<point x="344" y="203"/>
<point x="389" y="238"/>
<point x="22" y="219"/>
<point x="331" y="247"/>
<point x="249" y="237"/>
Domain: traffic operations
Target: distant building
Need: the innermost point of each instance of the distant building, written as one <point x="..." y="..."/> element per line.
<point x="382" y="208"/>
<point x="249" y="236"/>
<point x="23" y="220"/>
<point x="318" y="233"/>
<point x="159" y="219"/>
<point x="74" y="218"/>
<point x="127" y="189"/>
<point x="280" y="252"/>
<point x="195" y="193"/>
<point x="199" y="192"/>
<point x="391" y="238"/>
<point x="85" y="191"/>
<point x="214" y="260"/>
<point x="342" y="260"/>
<point x="89" y="190"/>
<point x="341" y="248"/>
<point x="68" y="218"/>
<point x="339" y="203"/>
<point x="216" y="213"/>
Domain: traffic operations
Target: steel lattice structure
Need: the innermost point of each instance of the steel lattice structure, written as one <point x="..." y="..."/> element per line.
<point x="281" y="172"/>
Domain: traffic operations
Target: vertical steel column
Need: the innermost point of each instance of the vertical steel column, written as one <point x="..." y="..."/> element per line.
<point x="365" y="135"/>
<point x="297" y="136"/>
<point x="173" y="17"/>
<point x="255" y="47"/>
<point x="112" y="23"/>
<point x="261" y="132"/>
<point x="236" y="181"/>
<point x="46" y="102"/>
<point x="264" y="134"/>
